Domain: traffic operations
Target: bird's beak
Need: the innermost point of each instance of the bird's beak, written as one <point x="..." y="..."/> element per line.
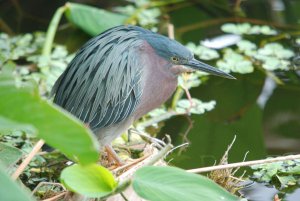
<point x="198" y="65"/>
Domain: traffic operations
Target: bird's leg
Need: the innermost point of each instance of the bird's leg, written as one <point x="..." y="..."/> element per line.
<point x="112" y="154"/>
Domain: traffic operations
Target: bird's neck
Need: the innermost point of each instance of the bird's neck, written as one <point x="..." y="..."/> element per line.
<point x="158" y="83"/>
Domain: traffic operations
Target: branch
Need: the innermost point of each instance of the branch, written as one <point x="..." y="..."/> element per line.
<point x="243" y="164"/>
<point x="191" y="27"/>
<point x="27" y="160"/>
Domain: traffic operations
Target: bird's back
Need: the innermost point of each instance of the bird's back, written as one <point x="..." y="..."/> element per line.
<point x="101" y="85"/>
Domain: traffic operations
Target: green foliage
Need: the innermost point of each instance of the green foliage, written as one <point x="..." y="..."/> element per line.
<point x="174" y="184"/>
<point x="141" y="13"/>
<point x="281" y="174"/>
<point x="247" y="55"/>
<point x="194" y="107"/>
<point x="91" y="180"/>
<point x="203" y="52"/>
<point x="274" y="56"/>
<point x="13" y="48"/>
<point x="246" y="28"/>
<point x="91" y="19"/>
<point x="28" y="47"/>
<point x="9" y="155"/>
<point x="10" y="190"/>
<point x="235" y="62"/>
<point x="58" y="128"/>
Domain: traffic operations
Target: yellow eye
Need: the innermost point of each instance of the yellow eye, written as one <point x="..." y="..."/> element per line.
<point x="175" y="59"/>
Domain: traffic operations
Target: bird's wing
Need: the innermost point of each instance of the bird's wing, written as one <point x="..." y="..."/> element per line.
<point x="102" y="84"/>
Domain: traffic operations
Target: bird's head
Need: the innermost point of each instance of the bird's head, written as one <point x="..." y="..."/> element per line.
<point x="177" y="54"/>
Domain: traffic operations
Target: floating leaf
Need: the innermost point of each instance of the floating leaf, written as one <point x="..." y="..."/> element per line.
<point x="245" y="45"/>
<point x="246" y="28"/>
<point x="91" y="180"/>
<point x="273" y="63"/>
<point x="277" y="50"/>
<point x="235" y="62"/>
<point x="286" y="180"/>
<point x="192" y="80"/>
<point x="157" y="112"/>
<point x="174" y="184"/>
<point x="198" y="106"/>
<point x="202" y="52"/>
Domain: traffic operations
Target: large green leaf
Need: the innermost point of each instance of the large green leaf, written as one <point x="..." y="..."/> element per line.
<point x="174" y="184"/>
<point x="9" y="155"/>
<point x="92" y="20"/>
<point x="59" y="129"/>
<point x="91" y="180"/>
<point x="10" y="191"/>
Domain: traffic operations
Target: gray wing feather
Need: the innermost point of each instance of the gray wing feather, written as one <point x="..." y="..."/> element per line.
<point x="102" y="84"/>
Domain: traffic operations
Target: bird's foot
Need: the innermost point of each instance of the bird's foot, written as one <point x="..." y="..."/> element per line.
<point x="112" y="155"/>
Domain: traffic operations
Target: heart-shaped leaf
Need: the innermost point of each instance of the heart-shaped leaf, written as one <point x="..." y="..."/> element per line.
<point x="91" y="180"/>
<point x="174" y="184"/>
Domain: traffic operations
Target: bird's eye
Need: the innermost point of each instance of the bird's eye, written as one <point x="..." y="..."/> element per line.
<point x="175" y="59"/>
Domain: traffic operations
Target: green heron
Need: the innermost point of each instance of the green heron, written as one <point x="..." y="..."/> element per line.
<point x="122" y="74"/>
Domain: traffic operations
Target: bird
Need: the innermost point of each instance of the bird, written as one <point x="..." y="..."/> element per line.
<point x="120" y="75"/>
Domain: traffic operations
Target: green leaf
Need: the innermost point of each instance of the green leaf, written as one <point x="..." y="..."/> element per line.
<point x="245" y="45"/>
<point x="93" y="20"/>
<point x="235" y="62"/>
<point x="9" y="155"/>
<point x="59" y="129"/>
<point x="174" y="184"/>
<point x="91" y="180"/>
<point x="198" y="106"/>
<point x="203" y="52"/>
<point x="293" y="170"/>
<point x="287" y="180"/>
<point x="10" y="191"/>
<point x="246" y="28"/>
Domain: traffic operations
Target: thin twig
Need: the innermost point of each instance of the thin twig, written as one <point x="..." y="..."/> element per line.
<point x="4" y="27"/>
<point x="123" y="196"/>
<point x="27" y="160"/>
<point x="177" y="147"/>
<point x="115" y="171"/>
<point x="243" y="164"/>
